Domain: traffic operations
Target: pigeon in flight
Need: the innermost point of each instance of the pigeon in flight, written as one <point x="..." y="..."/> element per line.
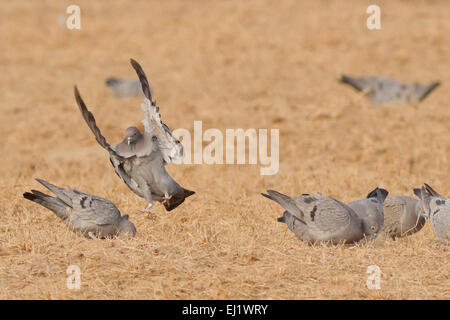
<point x="381" y="90"/>
<point x="316" y="218"/>
<point x="84" y="213"/>
<point x="436" y="209"/>
<point x="140" y="159"/>
<point x="124" y="88"/>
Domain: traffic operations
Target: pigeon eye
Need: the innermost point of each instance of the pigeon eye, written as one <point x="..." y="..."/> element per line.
<point x="373" y="228"/>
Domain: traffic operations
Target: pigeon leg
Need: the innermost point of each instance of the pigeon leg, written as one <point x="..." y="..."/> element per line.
<point x="148" y="197"/>
<point x="146" y="210"/>
<point x="166" y="198"/>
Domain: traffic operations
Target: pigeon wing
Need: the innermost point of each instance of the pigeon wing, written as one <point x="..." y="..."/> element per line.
<point x="90" y="120"/>
<point x="116" y="159"/>
<point x="170" y="147"/>
<point x="89" y="209"/>
<point x="324" y="216"/>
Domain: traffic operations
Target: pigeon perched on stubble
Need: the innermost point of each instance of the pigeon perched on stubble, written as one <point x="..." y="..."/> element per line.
<point x="140" y="159"/>
<point x="124" y="88"/>
<point x="84" y="213"/>
<point x="316" y="218"/>
<point x="403" y="216"/>
<point x="370" y="209"/>
<point x="436" y="209"/>
<point x="381" y="90"/>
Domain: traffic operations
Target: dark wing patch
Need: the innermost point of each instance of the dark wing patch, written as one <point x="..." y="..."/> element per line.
<point x="313" y="213"/>
<point x="82" y="201"/>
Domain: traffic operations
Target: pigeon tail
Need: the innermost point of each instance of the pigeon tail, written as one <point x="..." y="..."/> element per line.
<point x="176" y="200"/>
<point x="429" y="89"/>
<point x="352" y="81"/>
<point x="59" y="192"/>
<point x="378" y="193"/>
<point x="54" y="204"/>
<point x="431" y="191"/>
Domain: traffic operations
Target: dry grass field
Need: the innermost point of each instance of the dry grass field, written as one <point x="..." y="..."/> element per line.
<point x="231" y="64"/>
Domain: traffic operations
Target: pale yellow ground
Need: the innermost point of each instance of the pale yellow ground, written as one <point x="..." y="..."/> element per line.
<point x="231" y="64"/>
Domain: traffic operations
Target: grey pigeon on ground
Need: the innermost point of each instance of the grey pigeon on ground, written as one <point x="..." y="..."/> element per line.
<point x="403" y="216"/>
<point x="381" y="90"/>
<point x="84" y="213"/>
<point x="370" y="209"/>
<point x="124" y="88"/>
<point x="436" y="209"/>
<point x="140" y="159"/>
<point x="316" y="218"/>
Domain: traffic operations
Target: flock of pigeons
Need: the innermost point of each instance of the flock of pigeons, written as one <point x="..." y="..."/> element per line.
<point x="316" y="218"/>
<point x="140" y="159"/>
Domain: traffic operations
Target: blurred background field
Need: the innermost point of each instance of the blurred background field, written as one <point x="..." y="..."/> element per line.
<point x="231" y="64"/>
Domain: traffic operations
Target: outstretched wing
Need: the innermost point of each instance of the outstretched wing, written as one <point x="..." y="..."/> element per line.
<point x="116" y="160"/>
<point x="90" y="120"/>
<point x="170" y="147"/>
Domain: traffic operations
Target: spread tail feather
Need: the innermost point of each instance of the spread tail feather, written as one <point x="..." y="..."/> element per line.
<point x="188" y="193"/>
<point x="176" y="201"/>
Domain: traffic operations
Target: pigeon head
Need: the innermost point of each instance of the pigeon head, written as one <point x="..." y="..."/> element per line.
<point x="371" y="211"/>
<point x="132" y="134"/>
<point x="371" y="227"/>
<point x="126" y="226"/>
<point x="287" y="218"/>
<point x="373" y="218"/>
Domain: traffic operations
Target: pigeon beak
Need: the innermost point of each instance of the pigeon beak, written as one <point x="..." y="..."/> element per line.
<point x="280" y="219"/>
